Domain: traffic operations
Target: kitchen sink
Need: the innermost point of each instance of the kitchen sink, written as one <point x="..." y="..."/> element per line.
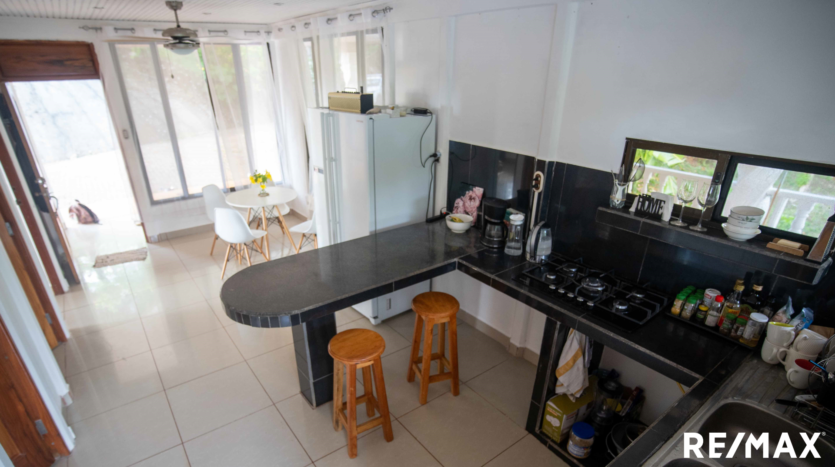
<point x="740" y="417"/>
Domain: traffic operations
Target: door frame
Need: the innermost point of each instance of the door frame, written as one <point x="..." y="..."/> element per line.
<point x="21" y="407"/>
<point x="27" y="272"/>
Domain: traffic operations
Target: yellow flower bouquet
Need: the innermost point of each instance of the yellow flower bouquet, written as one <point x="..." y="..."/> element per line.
<point x="261" y="179"/>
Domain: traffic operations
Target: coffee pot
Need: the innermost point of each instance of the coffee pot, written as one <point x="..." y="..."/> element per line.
<point x="493" y="228"/>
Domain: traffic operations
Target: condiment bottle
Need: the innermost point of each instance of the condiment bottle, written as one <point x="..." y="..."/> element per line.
<point x="513" y="247"/>
<point x="752" y="302"/>
<point x="732" y="306"/>
<point x="714" y="312"/>
<point x="754" y="330"/>
<point x="689" y="307"/>
<point x="678" y="304"/>
<point x="701" y="314"/>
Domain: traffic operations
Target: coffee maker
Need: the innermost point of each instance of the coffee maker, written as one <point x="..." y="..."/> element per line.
<point x="493" y="228"/>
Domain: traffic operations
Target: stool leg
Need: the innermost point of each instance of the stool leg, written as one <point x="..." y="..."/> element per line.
<point x="382" y="399"/>
<point x="427" y="361"/>
<point x="441" y="345"/>
<point x="352" y="411"/>
<point x="338" y="381"/>
<point x="453" y="353"/>
<point x="415" y="347"/>
<point x="369" y="393"/>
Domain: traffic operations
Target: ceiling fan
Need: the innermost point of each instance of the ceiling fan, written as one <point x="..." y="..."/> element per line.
<point x="183" y="40"/>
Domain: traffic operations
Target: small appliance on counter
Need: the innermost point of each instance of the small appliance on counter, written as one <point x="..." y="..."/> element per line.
<point x="351" y="101"/>
<point x="493" y="229"/>
<point x="539" y="243"/>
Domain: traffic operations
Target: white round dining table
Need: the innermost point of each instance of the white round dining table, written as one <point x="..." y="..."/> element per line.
<point x="249" y="199"/>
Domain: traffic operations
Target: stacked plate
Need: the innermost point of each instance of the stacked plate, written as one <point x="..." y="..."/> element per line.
<point x="743" y="223"/>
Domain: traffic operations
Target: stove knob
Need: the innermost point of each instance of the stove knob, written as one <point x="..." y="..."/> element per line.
<point x="589" y="303"/>
<point x="552" y="287"/>
<point x="580" y="299"/>
<point x="570" y="295"/>
<point x="561" y="290"/>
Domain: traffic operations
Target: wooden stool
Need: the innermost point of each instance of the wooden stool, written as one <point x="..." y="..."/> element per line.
<point x="434" y="308"/>
<point x="351" y="350"/>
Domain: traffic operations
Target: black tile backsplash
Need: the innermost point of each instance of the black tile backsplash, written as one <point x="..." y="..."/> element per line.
<point x="569" y="203"/>
<point x="504" y="175"/>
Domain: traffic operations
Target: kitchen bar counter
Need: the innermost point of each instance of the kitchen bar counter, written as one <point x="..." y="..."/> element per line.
<point x="305" y="290"/>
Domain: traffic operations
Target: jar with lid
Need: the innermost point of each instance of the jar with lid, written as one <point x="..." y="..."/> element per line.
<point x="689" y="307"/>
<point x="731" y="309"/>
<point x="739" y="326"/>
<point x="678" y="304"/>
<point x="714" y="311"/>
<point x="515" y="240"/>
<point x="580" y="440"/>
<point x="754" y="329"/>
<point x="701" y="314"/>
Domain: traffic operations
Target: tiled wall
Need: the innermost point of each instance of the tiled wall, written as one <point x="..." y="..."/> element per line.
<point x="574" y="193"/>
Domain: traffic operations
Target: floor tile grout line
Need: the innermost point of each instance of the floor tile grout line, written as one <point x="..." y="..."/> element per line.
<point x="418" y="441"/>
<point x="163" y="452"/>
<point x="309" y="457"/>
<point x="507" y="449"/>
<point x="75" y="422"/>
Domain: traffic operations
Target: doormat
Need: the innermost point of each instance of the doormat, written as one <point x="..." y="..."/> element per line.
<point x="119" y="258"/>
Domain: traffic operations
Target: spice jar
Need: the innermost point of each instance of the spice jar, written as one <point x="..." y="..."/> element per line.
<point x="714" y="311"/>
<point x="689" y="307"/>
<point x="701" y="315"/>
<point x="580" y="440"/>
<point x="739" y="326"/>
<point x="678" y="304"/>
<point x="754" y="329"/>
<point x="710" y="295"/>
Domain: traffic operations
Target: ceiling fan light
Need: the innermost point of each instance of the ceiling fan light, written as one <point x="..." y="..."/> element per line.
<point x="181" y="48"/>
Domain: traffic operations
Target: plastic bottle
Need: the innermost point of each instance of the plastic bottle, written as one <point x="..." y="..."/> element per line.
<point x="714" y="311"/>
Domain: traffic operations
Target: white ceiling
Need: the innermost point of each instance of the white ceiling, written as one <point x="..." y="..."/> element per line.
<point x="206" y="11"/>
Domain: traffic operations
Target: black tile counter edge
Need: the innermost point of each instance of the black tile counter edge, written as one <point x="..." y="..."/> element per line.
<point x="599" y="334"/>
<point x="340" y="303"/>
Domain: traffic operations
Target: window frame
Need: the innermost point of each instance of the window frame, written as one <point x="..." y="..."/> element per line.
<point x="241" y="85"/>
<point x="726" y="164"/>
<point x="314" y="51"/>
<point x="721" y="157"/>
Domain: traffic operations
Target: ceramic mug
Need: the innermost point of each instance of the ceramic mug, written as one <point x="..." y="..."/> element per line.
<point x="809" y="342"/>
<point x="779" y="334"/>
<point x="788" y="356"/>
<point x="797" y="377"/>
<point x="770" y="352"/>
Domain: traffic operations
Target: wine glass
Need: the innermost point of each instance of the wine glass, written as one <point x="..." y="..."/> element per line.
<point x="686" y="194"/>
<point x="708" y="197"/>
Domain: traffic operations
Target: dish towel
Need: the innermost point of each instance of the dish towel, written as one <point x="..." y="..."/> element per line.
<point x="572" y="374"/>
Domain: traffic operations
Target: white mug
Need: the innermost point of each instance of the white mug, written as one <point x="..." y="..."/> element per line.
<point x="770" y="352"/>
<point x="788" y="356"/>
<point x="779" y="334"/>
<point x="797" y="377"/>
<point x="809" y="342"/>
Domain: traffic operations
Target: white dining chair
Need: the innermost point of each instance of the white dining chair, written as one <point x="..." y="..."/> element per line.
<point x="231" y="227"/>
<point x="308" y="229"/>
<point x="213" y="198"/>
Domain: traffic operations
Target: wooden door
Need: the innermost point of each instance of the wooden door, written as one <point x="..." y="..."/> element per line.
<point x="12" y="239"/>
<point x="23" y="415"/>
<point x="37" y="185"/>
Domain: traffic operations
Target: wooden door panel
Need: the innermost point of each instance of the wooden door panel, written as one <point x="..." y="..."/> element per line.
<point x="47" y="60"/>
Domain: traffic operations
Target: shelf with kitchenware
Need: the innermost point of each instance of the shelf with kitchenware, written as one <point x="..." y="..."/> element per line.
<point x="713" y="241"/>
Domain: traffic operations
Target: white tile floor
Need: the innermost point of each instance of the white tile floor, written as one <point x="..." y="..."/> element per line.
<point x="160" y="377"/>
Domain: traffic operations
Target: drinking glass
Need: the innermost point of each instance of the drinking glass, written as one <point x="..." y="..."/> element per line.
<point x="686" y="193"/>
<point x="708" y="197"/>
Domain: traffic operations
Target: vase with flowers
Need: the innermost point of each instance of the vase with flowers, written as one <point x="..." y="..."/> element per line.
<point x="261" y="179"/>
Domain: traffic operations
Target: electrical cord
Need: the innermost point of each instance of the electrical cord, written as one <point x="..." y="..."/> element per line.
<point x="436" y="158"/>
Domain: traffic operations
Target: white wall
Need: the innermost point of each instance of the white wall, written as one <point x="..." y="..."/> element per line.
<point x="751" y="76"/>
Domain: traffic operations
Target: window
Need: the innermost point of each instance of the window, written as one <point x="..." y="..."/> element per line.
<point x="310" y="65"/>
<point x="348" y="61"/>
<point x="208" y="117"/>
<point x="796" y="196"/>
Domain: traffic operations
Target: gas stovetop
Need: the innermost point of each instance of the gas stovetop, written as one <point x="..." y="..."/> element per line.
<point x="624" y="304"/>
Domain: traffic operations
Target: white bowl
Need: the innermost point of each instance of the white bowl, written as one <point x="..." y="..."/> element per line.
<point x="739" y="230"/>
<point x="459" y="227"/>
<point x="739" y="237"/>
<point x="746" y="217"/>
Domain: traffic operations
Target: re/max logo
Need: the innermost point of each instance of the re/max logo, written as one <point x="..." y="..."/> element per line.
<point x="693" y="443"/>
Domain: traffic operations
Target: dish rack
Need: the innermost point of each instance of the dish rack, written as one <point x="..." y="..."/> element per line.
<point x="816" y="418"/>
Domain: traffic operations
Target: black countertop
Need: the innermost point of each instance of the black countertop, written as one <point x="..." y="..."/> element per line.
<point x="298" y="288"/>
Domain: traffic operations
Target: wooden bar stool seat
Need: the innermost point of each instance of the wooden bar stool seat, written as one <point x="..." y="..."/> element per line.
<point x="434" y="308"/>
<point x="352" y="350"/>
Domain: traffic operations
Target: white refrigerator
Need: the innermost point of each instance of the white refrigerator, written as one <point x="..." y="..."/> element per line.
<point x="368" y="177"/>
